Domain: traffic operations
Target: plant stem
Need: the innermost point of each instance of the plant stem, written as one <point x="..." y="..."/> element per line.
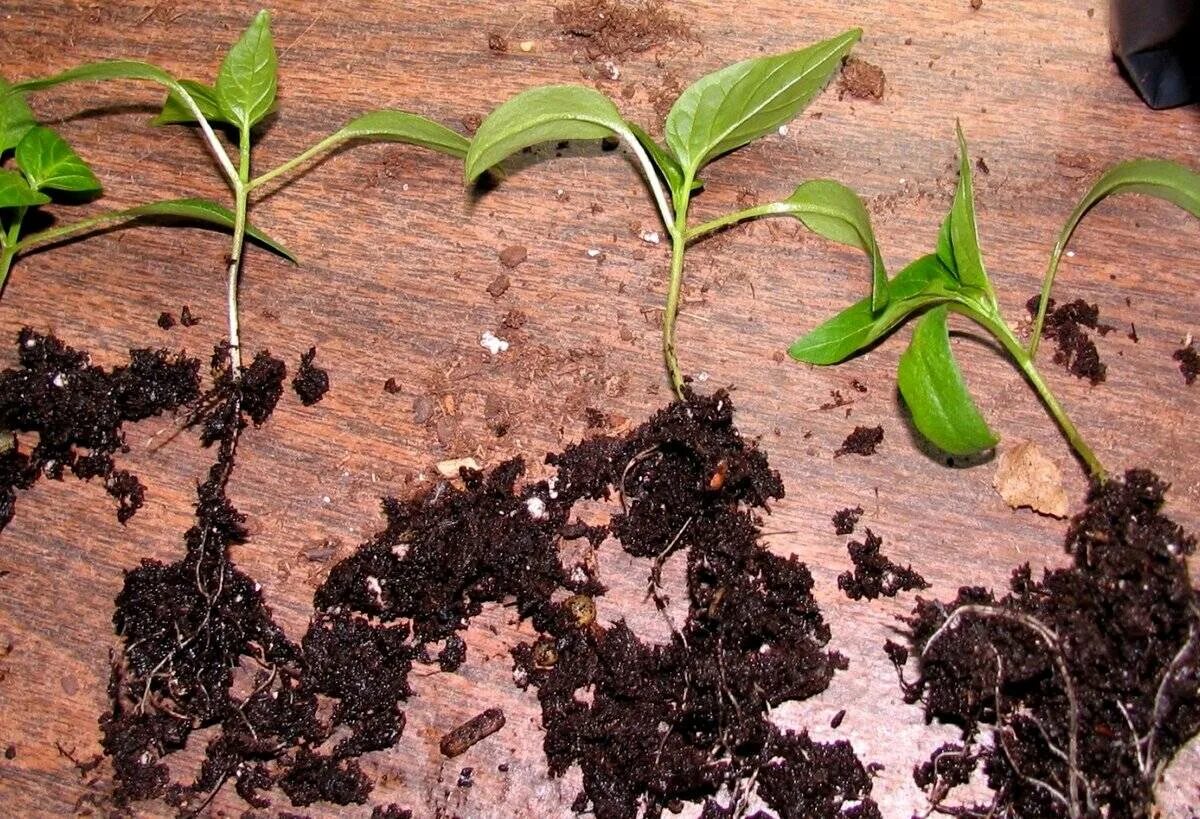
<point x="1035" y="336"/>
<point x="678" y="234"/>
<point x="756" y="212"/>
<point x="9" y="244"/>
<point x="651" y="174"/>
<point x="240" y="198"/>
<point x="1024" y="362"/>
<point x="324" y="145"/>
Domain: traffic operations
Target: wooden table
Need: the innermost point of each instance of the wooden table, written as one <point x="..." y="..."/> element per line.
<point x="396" y="262"/>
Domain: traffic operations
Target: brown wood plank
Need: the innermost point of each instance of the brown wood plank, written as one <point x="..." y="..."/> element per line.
<point x="395" y="266"/>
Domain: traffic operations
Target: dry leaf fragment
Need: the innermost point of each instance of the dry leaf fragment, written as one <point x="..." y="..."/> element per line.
<point x="1026" y="477"/>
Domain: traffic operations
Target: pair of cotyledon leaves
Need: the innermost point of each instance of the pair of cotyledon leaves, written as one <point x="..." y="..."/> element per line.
<point x="954" y="278"/>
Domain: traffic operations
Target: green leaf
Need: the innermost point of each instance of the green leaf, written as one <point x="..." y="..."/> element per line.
<point x="548" y="113"/>
<point x="958" y="241"/>
<point x="1152" y="177"/>
<point x="49" y="162"/>
<point x="175" y="112"/>
<point x="16" y="193"/>
<point x="401" y="126"/>
<point x="923" y="283"/>
<point x="739" y="103"/>
<point x="933" y="388"/>
<point x="15" y="117"/>
<point x="203" y="210"/>
<point x="832" y="210"/>
<point x="247" y="80"/>
<point x="107" y="70"/>
<point x="196" y="210"/>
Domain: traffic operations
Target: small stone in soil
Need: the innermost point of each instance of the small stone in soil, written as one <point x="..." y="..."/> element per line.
<point x="472" y="731"/>
<point x="499" y="286"/>
<point x="311" y="382"/>
<point x="846" y="519"/>
<point x="862" y="441"/>
<point x="513" y="255"/>
<point x="1189" y="363"/>
<point x="874" y="574"/>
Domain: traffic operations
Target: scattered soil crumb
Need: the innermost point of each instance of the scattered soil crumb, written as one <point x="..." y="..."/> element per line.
<point x="982" y="165"/>
<point x="836" y="722"/>
<point x="311" y="382"/>
<point x="497" y="42"/>
<point x="471" y="123"/>
<point x="513" y="255"/>
<point x="862" y="441"/>
<point x="499" y="285"/>
<point x="612" y="29"/>
<point x="861" y="80"/>
<point x="165" y="320"/>
<point x="76" y="412"/>
<point x="392" y="386"/>
<point x="391" y="811"/>
<point x="837" y="401"/>
<point x="1189" y="363"/>
<point x="874" y="574"/>
<point x="1076" y="688"/>
<point x="187" y="318"/>
<point x="664" y="96"/>
<point x="846" y="519"/>
<point x="1074" y="349"/>
<point x="1026" y="477"/>
<point x="514" y="320"/>
<point x="473" y="731"/>
<point x="976" y="5"/>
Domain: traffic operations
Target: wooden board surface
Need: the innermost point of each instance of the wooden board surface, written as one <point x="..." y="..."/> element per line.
<point x="396" y="262"/>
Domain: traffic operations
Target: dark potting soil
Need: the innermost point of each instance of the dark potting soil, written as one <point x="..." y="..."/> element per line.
<point x="861" y="441"/>
<point x="1066" y="325"/>
<point x="1073" y="692"/>
<point x="844" y="520"/>
<point x="874" y="574"/>
<point x="683" y="721"/>
<point x="311" y="382"/>
<point x="77" y="411"/>
<point x="1189" y="363"/>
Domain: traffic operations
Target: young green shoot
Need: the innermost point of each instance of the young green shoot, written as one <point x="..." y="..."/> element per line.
<point x="46" y="170"/>
<point x="717" y="114"/>
<point x="953" y="279"/>
<point x="241" y="98"/>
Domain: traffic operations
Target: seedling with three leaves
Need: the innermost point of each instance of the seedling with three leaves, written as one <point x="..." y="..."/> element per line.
<point x="717" y="114"/>
<point x="47" y="169"/>
<point x="241" y="98"/>
<point x="953" y="279"/>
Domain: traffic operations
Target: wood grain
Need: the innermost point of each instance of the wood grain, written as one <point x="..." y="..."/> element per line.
<point x="396" y="260"/>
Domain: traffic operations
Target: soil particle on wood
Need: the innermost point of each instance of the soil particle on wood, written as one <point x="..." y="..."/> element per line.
<point x="1066" y="326"/>
<point x="471" y="732"/>
<point x="844" y="520"/>
<point x="861" y="80"/>
<point x="513" y="255"/>
<point x="874" y="574"/>
<point x="499" y="286"/>
<point x="611" y="29"/>
<point x="1189" y="363"/>
<point x="497" y="42"/>
<point x="186" y="317"/>
<point x="392" y="386"/>
<point x="1073" y="692"/>
<point x="311" y="382"/>
<point x="862" y="441"/>
<point x="165" y="320"/>
<point x="77" y="410"/>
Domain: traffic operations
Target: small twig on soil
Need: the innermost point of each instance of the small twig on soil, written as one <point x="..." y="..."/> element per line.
<point x="634" y="461"/>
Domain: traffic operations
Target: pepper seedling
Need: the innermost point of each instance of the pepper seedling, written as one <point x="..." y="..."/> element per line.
<point x="717" y="114"/>
<point x="954" y="280"/>
<point x="47" y="169"/>
<point x="242" y="96"/>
